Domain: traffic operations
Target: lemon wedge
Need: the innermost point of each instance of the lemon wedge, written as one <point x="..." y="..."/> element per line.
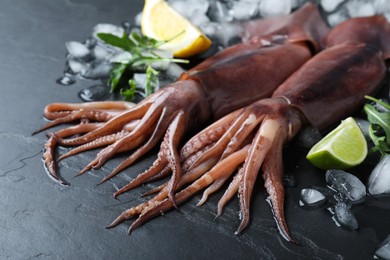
<point x="161" y="22"/>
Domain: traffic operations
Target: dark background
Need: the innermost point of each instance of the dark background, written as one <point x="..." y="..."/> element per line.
<point x="41" y="219"/>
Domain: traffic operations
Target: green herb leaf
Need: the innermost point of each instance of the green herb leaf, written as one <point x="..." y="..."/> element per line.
<point x="116" y="74"/>
<point x="378" y="118"/>
<point x="144" y="54"/>
<point x="129" y="94"/>
<point x="151" y="80"/>
<point x="379" y="130"/>
<point x="120" y="42"/>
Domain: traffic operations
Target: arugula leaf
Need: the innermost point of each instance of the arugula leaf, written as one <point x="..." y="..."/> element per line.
<point x="129" y="94"/>
<point x="120" y="42"/>
<point x="116" y="73"/>
<point x="380" y="124"/>
<point x="144" y="54"/>
<point x="151" y="80"/>
<point x="380" y="102"/>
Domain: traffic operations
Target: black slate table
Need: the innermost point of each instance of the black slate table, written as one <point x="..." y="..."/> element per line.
<point x="42" y="219"/>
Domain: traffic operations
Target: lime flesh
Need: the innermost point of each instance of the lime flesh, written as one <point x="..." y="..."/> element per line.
<point x="342" y="148"/>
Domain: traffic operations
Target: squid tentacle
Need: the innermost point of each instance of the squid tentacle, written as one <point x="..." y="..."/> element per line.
<point x="188" y="154"/>
<point x="99" y="142"/>
<point x="224" y="168"/>
<point x="259" y="148"/>
<point x="129" y="142"/>
<point x="273" y="182"/>
<point x="157" y="134"/>
<point x="156" y="190"/>
<point x="208" y="135"/>
<point x="214" y="152"/>
<point x="113" y="125"/>
<point x="50" y="162"/>
<point x="99" y="116"/>
<point x="106" y="153"/>
<point x="163" y="191"/>
<point x="49" y="147"/>
<point x="230" y="192"/>
<point x="217" y="184"/>
<point x="174" y="135"/>
<point x="157" y="168"/>
<point x="57" y="110"/>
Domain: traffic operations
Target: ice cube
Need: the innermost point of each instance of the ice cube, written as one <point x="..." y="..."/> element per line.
<point x="210" y="29"/>
<point x="174" y="71"/>
<point x="164" y="64"/>
<point x="226" y="32"/>
<point x="273" y="8"/>
<point x="346" y="183"/>
<point x="97" y="71"/>
<point x="380" y="108"/>
<point x="77" y="49"/>
<point x="107" y="28"/>
<point x="382" y="6"/>
<point x="140" y="80"/>
<point x="359" y="9"/>
<point x="384" y="249"/>
<point x="66" y="80"/>
<point x="388" y="19"/>
<point x="308" y="137"/>
<point x="311" y="197"/>
<point x="121" y="57"/>
<point x="101" y="52"/>
<point x="199" y="18"/>
<point x="90" y="42"/>
<point x="330" y="5"/>
<point x="188" y="7"/>
<point x="138" y="19"/>
<point x="244" y="10"/>
<point x="77" y="66"/>
<point x="219" y="12"/>
<point x="379" y="180"/>
<point x="344" y="217"/>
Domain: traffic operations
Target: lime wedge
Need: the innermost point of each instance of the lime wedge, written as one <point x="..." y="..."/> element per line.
<point x="343" y="148"/>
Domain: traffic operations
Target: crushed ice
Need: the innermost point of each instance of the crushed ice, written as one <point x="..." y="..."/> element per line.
<point x="379" y="180"/>
<point x="344" y="190"/>
<point x="383" y="250"/>
<point x="311" y="197"/>
<point x="344" y="217"/>
<point x="347" y="184"/>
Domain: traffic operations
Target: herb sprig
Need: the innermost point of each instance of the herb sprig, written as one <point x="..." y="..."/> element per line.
<point x="144" y="52"/>
<point x="379" y="130"/>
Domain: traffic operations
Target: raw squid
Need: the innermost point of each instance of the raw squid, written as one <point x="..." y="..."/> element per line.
<point x="326" y="89"/>
<point x="231" y="79"/>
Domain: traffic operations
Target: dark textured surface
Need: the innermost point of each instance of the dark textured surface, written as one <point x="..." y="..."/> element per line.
<point x="41" y="219"/>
